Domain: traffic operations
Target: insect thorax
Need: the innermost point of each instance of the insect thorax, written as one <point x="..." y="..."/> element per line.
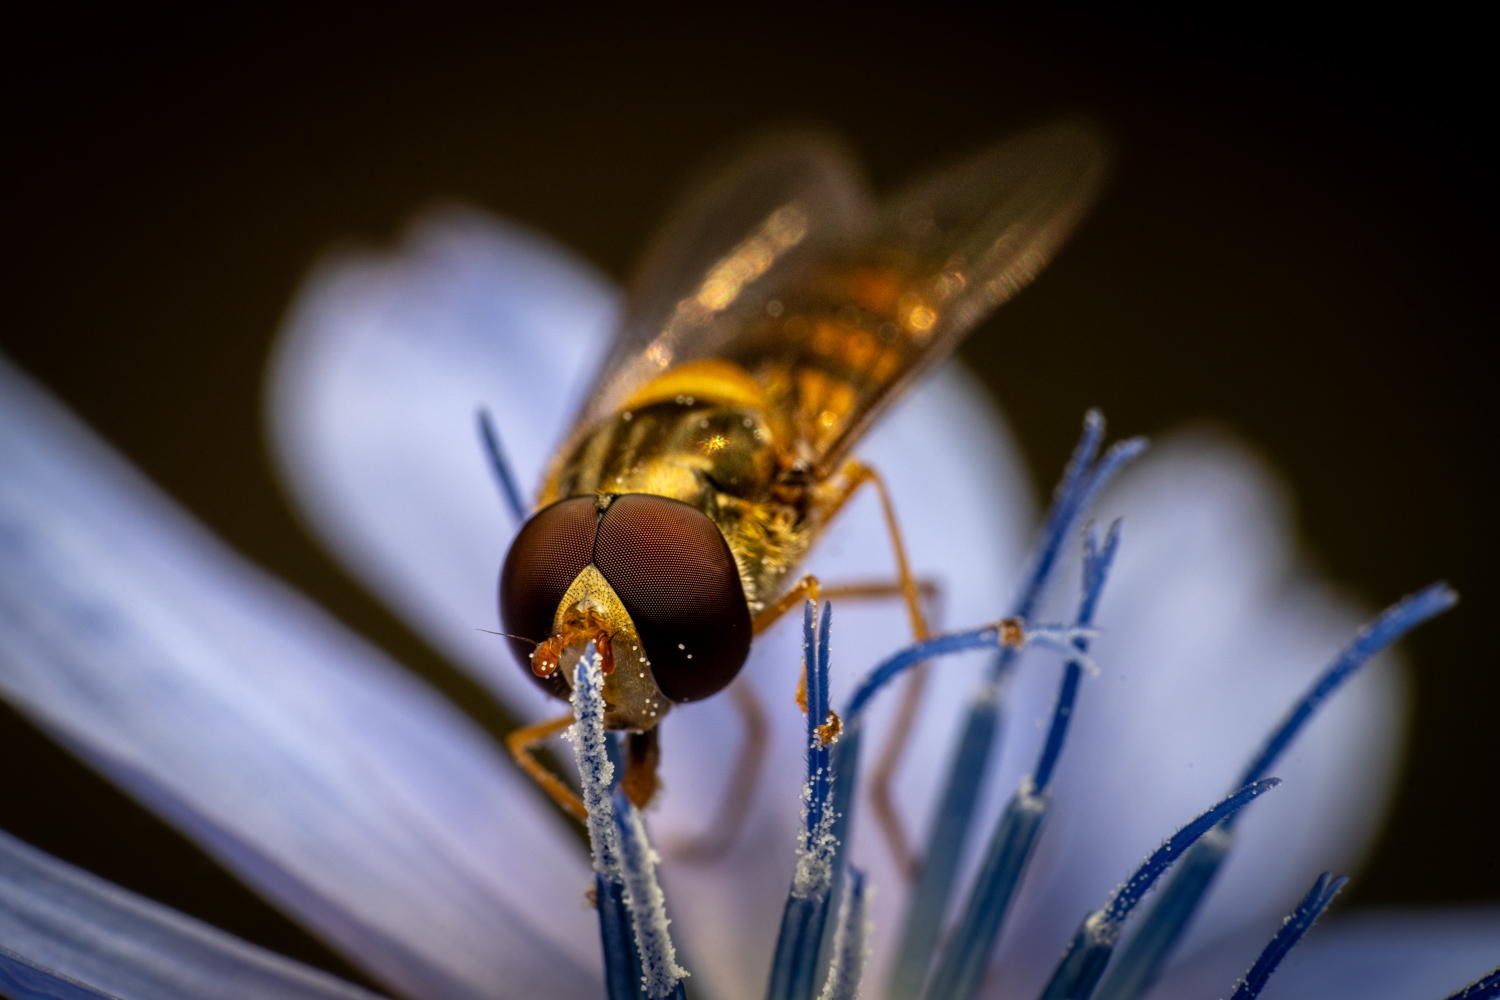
<point x="719" y="459"/>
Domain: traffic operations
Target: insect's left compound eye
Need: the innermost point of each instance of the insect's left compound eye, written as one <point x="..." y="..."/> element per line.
<point x="551" y="549"/>
<point x="672" y="570"/>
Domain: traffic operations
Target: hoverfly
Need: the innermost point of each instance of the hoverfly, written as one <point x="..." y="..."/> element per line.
<point x="775" y="317"/>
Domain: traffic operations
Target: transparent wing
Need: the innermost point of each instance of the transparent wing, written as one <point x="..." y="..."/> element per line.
<point x="943" y="253"/>
<point x="755" y="221"/>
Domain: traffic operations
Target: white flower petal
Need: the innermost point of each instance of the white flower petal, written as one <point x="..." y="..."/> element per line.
<point x="961" y="492"/>
<point x="1379" y="955"/>
<point x="1211" y="631"/>
<point x="327" y="777"/>
<point x="61" y="926"/>
<point x="374" y="389"/>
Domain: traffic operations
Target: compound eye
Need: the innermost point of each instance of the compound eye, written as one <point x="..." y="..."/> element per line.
<point x="549" y="552"/>
<point x="672" y="570"/>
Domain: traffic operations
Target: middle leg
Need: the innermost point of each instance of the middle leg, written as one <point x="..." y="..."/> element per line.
<point x="883" y="774"/>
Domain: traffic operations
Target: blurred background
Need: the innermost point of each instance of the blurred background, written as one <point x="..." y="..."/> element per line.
<point x="1296" y="246"/>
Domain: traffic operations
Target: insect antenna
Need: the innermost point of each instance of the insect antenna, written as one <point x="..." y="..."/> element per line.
<point x="509" y="635"/>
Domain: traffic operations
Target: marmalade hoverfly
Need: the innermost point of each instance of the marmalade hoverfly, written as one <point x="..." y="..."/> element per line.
<point x="775" y="317"/>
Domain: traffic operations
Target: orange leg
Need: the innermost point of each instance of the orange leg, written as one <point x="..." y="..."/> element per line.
<point x="871" y="590"/>
<point x="856" y="474"/>
<point x="881" y="776"/>
<point x="642" y="755"/>
<point x="805" y="589"/>
<point x="522" y="743"/>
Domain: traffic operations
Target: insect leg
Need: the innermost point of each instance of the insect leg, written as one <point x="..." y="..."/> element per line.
<point x="642" y="754"/>
<point x="719" y="837"/>
<point x="869" y="590"/>
<point x="856" y="474"/>
<point x="521" y="743"/>
<point x="805" y="589"/>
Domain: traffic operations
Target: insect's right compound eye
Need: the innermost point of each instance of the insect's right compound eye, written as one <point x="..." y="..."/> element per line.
<point x="676" y="576"/>
<point x="548" y="553"/>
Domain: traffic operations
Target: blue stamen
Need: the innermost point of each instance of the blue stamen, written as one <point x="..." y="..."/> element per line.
<point x="1089" y="951"/>
<point x="850" y="942"/>
<point x="819" y="778"/>
<point x="500" y="467"/>
<point x="973" y="939"/>
<point x="1296" y="925"/>
<point x="843" y="762"/>
<point x="1081" y="484"/>
<point x="959" y="973"/>
<point x="1161" y="859"/>
<point x="1396" y="621"/>
<point x="1082" y="480"/>
<point x="928" y="903"/>
<point x="1061" y="514"/>
<point x="1485" y="989"/>
<point x="1143" y="958"/>
<point x="890" y="669"/>
<point x="660" y="975"/>
<point x="622" y="967"/>
<point x="1138" y="965"/>
<point x="1097" y="558"/>
<point x="794" y="969"/>
<point x="596" y="772"/>
<point x="640" y="962"/>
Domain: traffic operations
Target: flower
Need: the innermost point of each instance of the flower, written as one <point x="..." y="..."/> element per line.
<point x="362" y="803"/>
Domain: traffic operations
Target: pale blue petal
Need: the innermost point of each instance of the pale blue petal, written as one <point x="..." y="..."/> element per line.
<point x="328" y="778"/>
<point x="64" y="932"/>
<point x="373" y="394"/>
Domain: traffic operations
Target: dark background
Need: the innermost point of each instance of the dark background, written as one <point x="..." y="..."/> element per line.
<point x="1293" y="246"/>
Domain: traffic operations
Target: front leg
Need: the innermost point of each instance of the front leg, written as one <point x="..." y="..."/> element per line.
<point x="522" y="744"/>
